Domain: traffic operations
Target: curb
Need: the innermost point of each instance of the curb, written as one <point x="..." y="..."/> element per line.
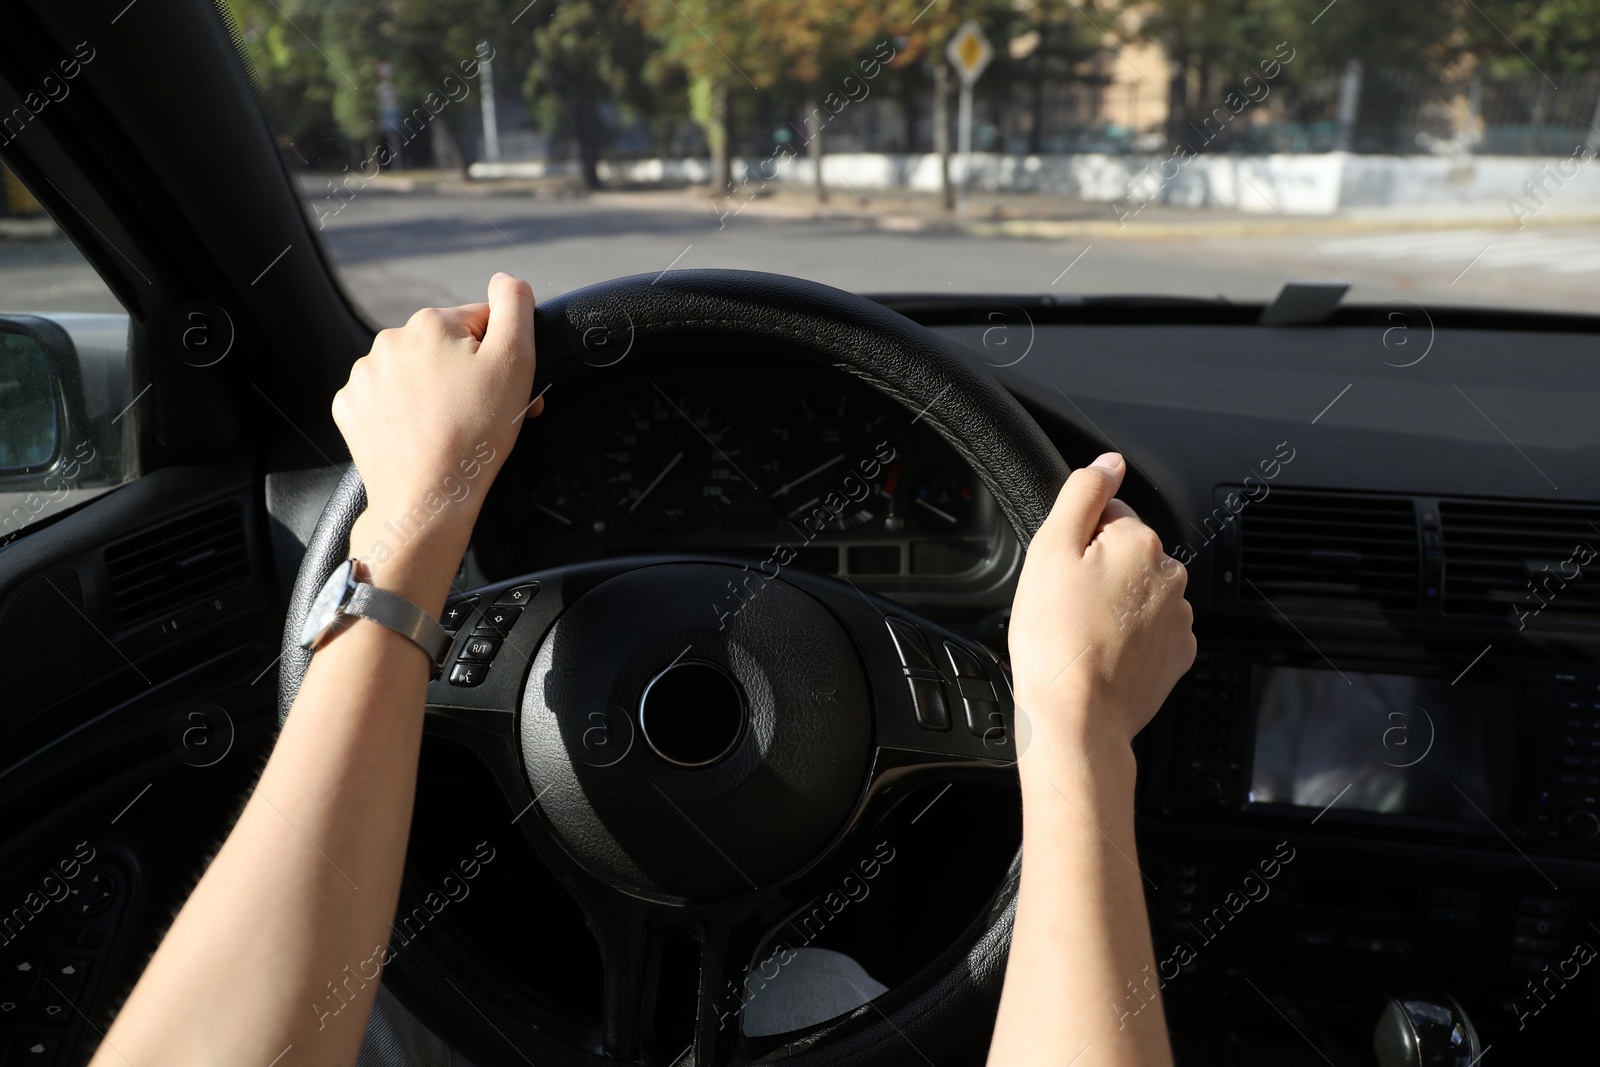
<point x="36" y="229"/>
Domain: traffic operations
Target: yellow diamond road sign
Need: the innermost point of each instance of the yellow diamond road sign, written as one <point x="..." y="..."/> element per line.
<point x="969" y="52"/>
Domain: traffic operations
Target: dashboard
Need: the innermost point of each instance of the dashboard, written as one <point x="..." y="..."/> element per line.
<point x="774" y="465"/>
<point x="1381" y="714"/>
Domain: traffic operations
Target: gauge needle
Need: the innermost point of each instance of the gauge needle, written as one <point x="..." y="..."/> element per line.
<point x="940" y="512"/>
<point x="673" y="462"/>
<point x="808" y="475"/>
<point x="804" y="506"/>
<point x="553" y="513"/>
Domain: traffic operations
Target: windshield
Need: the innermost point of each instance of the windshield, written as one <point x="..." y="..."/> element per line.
<point x="1428" y="153"/>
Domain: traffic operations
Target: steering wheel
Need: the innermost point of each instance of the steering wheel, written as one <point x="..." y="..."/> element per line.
<point x="639" y="710"/>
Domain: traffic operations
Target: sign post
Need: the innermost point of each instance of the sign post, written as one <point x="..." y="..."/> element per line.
<point x="491" y="127"/>
<point x="969" y="52"/>
<point x="389" y="113"/>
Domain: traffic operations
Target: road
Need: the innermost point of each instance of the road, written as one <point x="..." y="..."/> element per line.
<point x="403" y="252"/>
<point x="398" y="252"/>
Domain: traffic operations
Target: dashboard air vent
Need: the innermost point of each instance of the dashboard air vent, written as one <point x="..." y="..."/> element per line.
<point x="177" y="563"/>
<point x="1518" y="560"/>
<point x="1330" y="548"/>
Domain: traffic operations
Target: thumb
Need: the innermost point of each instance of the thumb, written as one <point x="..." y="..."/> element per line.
<point x="1084" y="498"/>
<point x="510" y="329"/>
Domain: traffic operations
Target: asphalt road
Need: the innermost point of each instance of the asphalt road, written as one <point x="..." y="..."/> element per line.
<point x="398" y="252"/>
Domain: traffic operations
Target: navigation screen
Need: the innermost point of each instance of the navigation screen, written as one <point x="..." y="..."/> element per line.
<point x="1387" y="743"/>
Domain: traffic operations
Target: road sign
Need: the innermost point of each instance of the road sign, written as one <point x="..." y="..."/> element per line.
<point x="969" y="52"/>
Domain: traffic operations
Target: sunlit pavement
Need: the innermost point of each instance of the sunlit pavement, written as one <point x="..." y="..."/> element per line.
<point x="401" y="251"/>
<point x="49" y="275"/>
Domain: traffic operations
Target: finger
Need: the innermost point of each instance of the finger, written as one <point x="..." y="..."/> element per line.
<point x="536" y="408"/>
<point x="1174" y="572"/>
<point x="472" y="319"/>
<point x="1116" y="512"/>
<point x="1084" y="498"/>
<point x="456" y="323"/>
<point x="510" y="327"/>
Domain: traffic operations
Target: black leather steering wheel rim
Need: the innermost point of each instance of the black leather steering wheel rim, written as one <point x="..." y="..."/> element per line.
<point x="592" y="329"/>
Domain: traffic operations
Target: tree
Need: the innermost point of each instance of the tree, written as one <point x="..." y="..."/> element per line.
<point x="424" y="42"/>
<point x="722" y="46"/>
<point x="1410" y="55"/>
<point x="587" y="53"/>
<point x="1054" y="40"/>
<point x="318" y="63"/>
<point x="1210" y="45"/>
<point x="823" y="48"/>
<point x="1423" y="35"/>
<point x="1558" y="37"/>
<point x="291" y="77"/>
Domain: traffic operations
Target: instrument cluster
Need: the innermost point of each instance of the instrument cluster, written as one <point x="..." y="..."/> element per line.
<point x="817" y="468"/>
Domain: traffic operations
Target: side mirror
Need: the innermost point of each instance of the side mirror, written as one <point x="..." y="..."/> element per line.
<point x="32" y="397"/>
<point x="57" y="437"/>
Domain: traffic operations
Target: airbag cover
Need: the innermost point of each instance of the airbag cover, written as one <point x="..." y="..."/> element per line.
<point x="764" y="811"/>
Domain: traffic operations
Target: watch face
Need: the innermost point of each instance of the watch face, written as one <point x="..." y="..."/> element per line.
<point x="330" y="601"/>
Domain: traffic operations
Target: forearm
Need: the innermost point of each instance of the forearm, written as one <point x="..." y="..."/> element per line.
<point x="281" y="942"/>
<point x="1082" y="934"/>
<point x="271" y="947"/>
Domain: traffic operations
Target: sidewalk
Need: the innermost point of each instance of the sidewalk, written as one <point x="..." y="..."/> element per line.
<point x="40" y="228"/>
<point x="1023" y="215"/>
<point x="1044" y="217"/>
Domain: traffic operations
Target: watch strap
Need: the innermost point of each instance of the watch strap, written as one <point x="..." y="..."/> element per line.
<point x="401" y="615"/>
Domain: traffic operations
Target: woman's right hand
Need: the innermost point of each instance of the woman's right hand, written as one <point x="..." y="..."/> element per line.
<point x="1099" y="630"/>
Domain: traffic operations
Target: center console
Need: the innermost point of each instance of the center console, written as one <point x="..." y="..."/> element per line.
<point x="1360" y="829"/>
<point x="1502" y="751"/>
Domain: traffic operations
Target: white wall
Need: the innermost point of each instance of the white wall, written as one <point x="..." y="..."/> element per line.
<point x="1319" y="184"/>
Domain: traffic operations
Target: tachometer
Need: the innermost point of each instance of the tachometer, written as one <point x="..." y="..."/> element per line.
<point x="670" y="466"/>
<point x="817" y="449"/>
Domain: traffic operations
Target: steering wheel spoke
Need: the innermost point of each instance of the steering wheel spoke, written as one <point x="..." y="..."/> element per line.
<point x="942" y="702"/>
<point x="491" y="735"/>
<point x="630" y="955"/>
<point x="728" y="980"/>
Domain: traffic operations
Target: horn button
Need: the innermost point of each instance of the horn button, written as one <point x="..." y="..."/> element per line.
<point x="692" y="734"/>
<point x="692" y="713"/>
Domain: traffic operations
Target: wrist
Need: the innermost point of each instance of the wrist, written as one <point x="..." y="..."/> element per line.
<point x="1099" y="790"/>
<point x="1077" y="743"/>
<point x="420" y="569"/>
<point x="396" y="525"/>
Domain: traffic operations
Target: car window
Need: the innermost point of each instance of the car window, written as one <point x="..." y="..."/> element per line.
<point x="1160" y="148"/>
<point x="40" y="270"/>
<point x="67" y="415"/>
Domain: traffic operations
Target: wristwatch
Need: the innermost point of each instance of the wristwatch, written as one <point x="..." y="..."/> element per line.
<point x="345" y="596"/>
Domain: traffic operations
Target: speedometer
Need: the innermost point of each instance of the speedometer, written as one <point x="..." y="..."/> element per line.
<point x="670" y="466"/>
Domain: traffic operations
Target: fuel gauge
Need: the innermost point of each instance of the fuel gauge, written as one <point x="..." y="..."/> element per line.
<point x="943" y="500"/>
<point x="562" y="500"/>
